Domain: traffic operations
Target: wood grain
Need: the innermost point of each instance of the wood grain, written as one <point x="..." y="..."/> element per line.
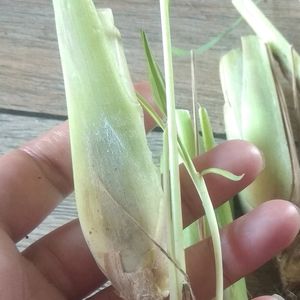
<point x="30" y="74"/>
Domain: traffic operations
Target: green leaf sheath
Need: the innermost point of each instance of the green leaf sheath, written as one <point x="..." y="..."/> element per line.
<point x="269" y="34"/>
<point x="176" y="211"/>
<point x="118" y="192"/>
<point x="252" y="112"/>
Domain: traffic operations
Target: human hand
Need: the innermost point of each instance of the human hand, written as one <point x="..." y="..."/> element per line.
<point x="36" y="177"/>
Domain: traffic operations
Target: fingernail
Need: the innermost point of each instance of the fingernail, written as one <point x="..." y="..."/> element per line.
<point x="258" y="153"/>
<point x="277" y="297"/>
<point x="297" y="207"/>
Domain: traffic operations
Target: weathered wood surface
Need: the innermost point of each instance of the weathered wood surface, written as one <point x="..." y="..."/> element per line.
<point x="30" y="73"/>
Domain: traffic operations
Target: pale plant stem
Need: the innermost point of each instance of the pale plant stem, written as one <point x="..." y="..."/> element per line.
<point x="176" y="212"/>
<point x="201" y="188"/>
<point x="166" y="185"/>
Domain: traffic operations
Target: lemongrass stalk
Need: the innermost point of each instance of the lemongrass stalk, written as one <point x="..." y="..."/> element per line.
<point x="270" y="35"/>
<point x="276" y="181"/>
<point x="186" y="136"/>
<point x="166" y="186"/>
<point x="201" y="188"/>
<point x="255" y="103"/>
<point x="231" y="70"/>
<point x="283" y="51"/>
<point x="173" y="155"/>
<point x="118" y="193"/>
<point x="288" y="260"/>
<point x="208" y="209"/>
<point x="194" y="231"/>
<point x="224" y="214"/>
<point x="256" y="107"/>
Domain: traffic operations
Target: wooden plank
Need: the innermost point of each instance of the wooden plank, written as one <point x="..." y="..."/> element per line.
<point x="30" y="75"/>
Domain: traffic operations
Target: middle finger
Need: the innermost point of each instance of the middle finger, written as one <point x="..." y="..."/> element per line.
<point x="247" y="243"/>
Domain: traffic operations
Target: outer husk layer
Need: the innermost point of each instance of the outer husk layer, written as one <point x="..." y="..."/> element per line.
<point x="255" y="110"/>
<point x="118" y="192"/>
<point x="252" y="112"/>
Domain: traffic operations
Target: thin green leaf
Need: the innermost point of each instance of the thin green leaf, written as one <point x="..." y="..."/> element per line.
<point x="211" y="43"/>
<point x="155" y="76"/>
<point x="231" y="75"/>
<point x="149" y="109"/>
<point x="224" y="215"/>
<point x="223" y="173"/>
<point x="180" y="52"/>
<point x="201" y="188"/>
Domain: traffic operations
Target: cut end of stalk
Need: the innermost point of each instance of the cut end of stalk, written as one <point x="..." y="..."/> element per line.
<point x="133" y="285"/>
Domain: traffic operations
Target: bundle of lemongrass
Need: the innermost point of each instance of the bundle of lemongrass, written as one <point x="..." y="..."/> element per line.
<point x="256" y="110"/>
<point x="132" y="225"/>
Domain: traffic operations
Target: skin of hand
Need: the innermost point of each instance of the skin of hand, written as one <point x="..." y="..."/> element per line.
<point x="38" y="175"/>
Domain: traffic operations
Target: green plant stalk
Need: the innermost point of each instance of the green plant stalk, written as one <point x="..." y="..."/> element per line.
<point x="289" y="61"/>
<point x="166" y="186"/>
<point x="192" y="234"/>
<point x="223" y="213"/>
<point x="112" y="164"/>
<point x="201" y="188"/>
<point x="205" y="197"/>
<point x="176" y="213"/>
<point x="270" y="35"/>
<point x="259" y="112"/>
<point x="231" y="75"/>
<point x="186" y="136"/>
<point x="237" y="291"/>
